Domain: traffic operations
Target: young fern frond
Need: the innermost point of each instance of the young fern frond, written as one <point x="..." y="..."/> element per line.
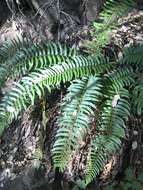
<point x="32" y="86"/>
<point x="36" y="56"/>
<point x="76" y="111"/>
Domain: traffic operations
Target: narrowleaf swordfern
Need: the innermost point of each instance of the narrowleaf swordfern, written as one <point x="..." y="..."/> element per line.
<point x="108" y="92"/>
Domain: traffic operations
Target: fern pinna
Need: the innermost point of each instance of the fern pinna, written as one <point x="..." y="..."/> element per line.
<point x="108" y="92"/>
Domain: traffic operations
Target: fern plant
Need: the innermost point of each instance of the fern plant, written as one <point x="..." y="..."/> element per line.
<point x="108" y="20"/>
<point x="101" y="90"/>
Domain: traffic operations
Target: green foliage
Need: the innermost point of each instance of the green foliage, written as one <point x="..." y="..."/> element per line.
<point x="133" y="56"/>
<point x="28" y="88"/>
<point x="110" y="127"/>
<point x="114" y="9"/>
<point x="76" y="110"/>
<point x="11" y="47"/>
<point x="137" y="96"/>
<point x="108" y="20"/>
<point x="101" y="91"/>
<point x="130" y="181"/>
<point x="28" y="58"/>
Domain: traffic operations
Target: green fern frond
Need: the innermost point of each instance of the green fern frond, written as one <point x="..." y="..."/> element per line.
<point x="110" y="130"/>
<point x="120" y="78"/>
<point x="113" y="9"/>
<point x="133" y="56"/>
<point x="77" y="109"/>
<point x="137" y="98"/>
<point x="36" y="56"/>
<point x="101" y="147"/>
<point x="116" y="106"/>
<point x="29" y="88"/>
<point x="108" y="20"/>
<point x="11" y="47"/>
<point x="116" y="8"/>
